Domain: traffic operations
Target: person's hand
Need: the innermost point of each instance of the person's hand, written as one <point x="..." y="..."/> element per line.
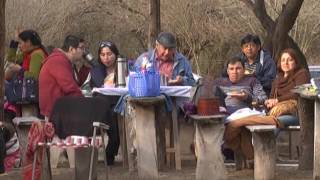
<point x="177" y="81"/>
<point x="16" y="33"/>
<point x="270" y="103"/>
<point x="14" y="67"/>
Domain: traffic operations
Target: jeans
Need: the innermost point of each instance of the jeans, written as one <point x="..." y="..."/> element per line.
<point x="288" y="120"/>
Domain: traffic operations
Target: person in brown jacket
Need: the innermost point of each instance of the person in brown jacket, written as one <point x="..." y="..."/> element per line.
<point x="290" y="74"/>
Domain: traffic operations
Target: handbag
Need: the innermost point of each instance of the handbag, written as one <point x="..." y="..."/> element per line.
<point x="22" y="90"/>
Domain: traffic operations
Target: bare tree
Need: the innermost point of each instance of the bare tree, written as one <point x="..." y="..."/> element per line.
<point x="2" y="44"/>
<point x="278" y="29"/>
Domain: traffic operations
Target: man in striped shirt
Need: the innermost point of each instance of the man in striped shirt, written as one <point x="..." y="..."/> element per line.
<point x="238" y="91"/>
<point x="258" y="62"/>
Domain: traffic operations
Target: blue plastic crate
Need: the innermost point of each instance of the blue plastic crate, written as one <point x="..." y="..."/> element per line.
<point x="144" y="84"/>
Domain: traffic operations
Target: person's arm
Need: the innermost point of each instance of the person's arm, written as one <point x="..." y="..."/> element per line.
<point x="184" y="74"/>
<point x="188" y="76"/>
<point x="269" y="72"/>
<point x="301" y="77"/>
<point x="258" y="93"/>
<point x="63" y="73"/>
<point x="35" y="65"/>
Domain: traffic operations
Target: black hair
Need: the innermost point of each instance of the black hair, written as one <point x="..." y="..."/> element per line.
<point x="234" y="60"/>
<point x="31" y="35"/>
<point x="251" y="38"/>
<point x="70" y="41"/>
<point x="109" y="45"/>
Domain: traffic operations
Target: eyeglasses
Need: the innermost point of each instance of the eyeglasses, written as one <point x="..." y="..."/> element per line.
<point x="82" y="47"/>
<point x="105" y="44"/>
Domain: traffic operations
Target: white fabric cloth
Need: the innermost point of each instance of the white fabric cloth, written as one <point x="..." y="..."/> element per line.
<point x="176" y="91"/>
<point x="241" y="113"/>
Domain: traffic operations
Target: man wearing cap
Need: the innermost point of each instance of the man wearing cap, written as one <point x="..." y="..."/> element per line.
<point x="169" y="62"/>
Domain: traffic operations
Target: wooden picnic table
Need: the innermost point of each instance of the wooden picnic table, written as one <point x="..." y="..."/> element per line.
<point x="148" y="150"/>
<point x="309" y="115"/>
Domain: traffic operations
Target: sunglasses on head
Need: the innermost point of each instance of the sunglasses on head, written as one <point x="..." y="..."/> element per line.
<point x="105" y="44"/>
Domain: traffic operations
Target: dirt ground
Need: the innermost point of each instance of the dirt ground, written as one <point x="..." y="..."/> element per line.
<point x="283" y="171"/>
<point x="117" y="172"/>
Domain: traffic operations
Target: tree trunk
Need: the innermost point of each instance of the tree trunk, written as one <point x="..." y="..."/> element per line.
<point x="154" y="24"/>
<point x="2" y="44"/>
<point x="278" y="39"/>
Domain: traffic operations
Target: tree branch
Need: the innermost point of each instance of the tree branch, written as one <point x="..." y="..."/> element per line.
<point x="289" y="15"/>
<point x="125" y="6"/>
<point x="259" y="9"/>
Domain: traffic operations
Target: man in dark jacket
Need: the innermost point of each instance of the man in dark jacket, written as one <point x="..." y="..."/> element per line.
<point x="56" y="76"/>
<point x="258" y="62"/>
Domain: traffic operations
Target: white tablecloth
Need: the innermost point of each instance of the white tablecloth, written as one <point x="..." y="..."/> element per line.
<point x="176" y="91"/>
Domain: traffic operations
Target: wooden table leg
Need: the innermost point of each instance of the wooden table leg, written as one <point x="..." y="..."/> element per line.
<point x="264" y="144"/>
<point x="316" y="165"/>
<point x="123" y="144"/>
<point x="129" y="126"/>
<point x="306" y="117"/>
<point x="176" y="136"/>
<point x="210" y="163"/>
<point x="146" y="142"/>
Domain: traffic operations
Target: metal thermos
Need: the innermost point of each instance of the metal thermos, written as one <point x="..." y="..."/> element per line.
<point x="122" y="69"/>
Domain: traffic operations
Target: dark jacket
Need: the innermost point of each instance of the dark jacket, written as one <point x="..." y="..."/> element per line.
<point x="98" y="74"/>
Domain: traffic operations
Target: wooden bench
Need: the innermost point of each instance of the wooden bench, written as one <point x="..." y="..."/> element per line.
<point x="264" y="145"/>
<point x="292" y="148"/>
<point x="23" y="124"/>
<point x="208" y="140"/>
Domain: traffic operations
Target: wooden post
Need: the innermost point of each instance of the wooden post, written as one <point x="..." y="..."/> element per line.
<point x="209" y="132"/>
<point x="146" y="135"/>
<point x="306" y="117"/>
<point x="154" y="24"/>
<point x="264" y="155"/>
<point x="316" y="168"/>
<point x="2" y="53"/>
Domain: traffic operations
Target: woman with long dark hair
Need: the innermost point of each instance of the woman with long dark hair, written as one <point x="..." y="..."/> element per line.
<point x="33" y="51"/>
<point x="104" y="75"/>
<point x="105" y="72"/>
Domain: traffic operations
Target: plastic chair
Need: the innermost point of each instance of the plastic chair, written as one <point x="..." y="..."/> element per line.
<point x="76" y="142"/>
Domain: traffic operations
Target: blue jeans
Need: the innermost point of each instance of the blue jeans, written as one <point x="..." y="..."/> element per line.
<point x="288" y="120"/>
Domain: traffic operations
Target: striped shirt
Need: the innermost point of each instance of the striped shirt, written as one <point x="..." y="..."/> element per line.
<point x="248" y="84"/>
<point x="250" y="68"/>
